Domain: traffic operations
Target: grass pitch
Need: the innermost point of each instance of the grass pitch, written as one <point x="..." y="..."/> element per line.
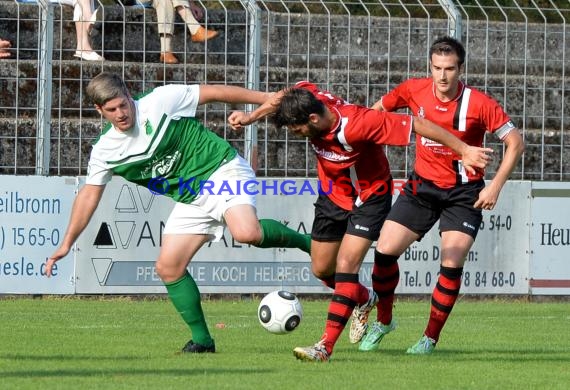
<point x="120" y="343"/>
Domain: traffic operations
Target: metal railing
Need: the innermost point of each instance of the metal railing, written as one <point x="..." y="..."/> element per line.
<point x="517" y="51"/>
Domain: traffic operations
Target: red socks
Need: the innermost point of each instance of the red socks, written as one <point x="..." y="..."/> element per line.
<point x="347" y="294"/>
<point x="443" y="299"/>
<point x="385" y="278"/>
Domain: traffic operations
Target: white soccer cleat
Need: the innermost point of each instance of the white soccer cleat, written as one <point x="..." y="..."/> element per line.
<point x="360" y="314"/>
<point x="314" y="353"/>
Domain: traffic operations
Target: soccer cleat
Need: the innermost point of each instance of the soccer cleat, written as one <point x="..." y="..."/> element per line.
<point x="359" y="323"/>
<point x="192" y="347"/>
<point x="315" y="353"/>
<point x="374" y="335"/>
<point x="424" y="346"/>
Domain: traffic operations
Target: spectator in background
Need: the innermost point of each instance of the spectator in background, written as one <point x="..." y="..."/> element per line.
<point x="4" y="46"/>
<point x="84" y="17"/>
<point x="189" y="12"/>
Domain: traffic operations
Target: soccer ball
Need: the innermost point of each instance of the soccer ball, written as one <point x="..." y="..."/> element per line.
<point x="280" y="312"/>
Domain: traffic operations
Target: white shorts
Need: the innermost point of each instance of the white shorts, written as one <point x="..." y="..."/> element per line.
<point x="224" y="189"/>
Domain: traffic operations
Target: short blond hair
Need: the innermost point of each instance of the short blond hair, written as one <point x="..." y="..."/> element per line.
<point x="104" y="87"/>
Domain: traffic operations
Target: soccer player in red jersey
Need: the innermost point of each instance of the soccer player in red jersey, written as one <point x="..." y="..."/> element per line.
<point x="349" y="143"/>
<point x="446" y="190"/>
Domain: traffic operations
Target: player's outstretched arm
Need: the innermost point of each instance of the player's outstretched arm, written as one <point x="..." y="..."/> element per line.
<point x="231" y="94"/>
<point x="472" y="157"/>
<point x="490" y="194"/>
<point x="84" y="206"/>
<point x="238" y="119"/>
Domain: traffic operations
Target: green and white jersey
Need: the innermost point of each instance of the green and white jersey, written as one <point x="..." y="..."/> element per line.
<point x="167" y="150"/>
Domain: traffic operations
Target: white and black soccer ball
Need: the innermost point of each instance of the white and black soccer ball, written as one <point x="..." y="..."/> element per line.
<point x="280" y="312"/>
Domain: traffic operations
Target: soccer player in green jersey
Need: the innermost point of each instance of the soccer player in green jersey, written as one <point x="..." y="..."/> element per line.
<point x="156" y="138"/>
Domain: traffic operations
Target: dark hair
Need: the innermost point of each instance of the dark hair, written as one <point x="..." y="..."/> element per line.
<point x="448" y="45"/>
<point x="104" y="87"/>
<point x="295" y="107"/>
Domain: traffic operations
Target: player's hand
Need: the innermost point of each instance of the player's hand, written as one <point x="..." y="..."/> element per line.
<point x="487" y="198"/>
<point x="4" y="46"/>
<point x="59" y="254"/>
<point x="476" y="158"/>
<point x="238" y="119"/>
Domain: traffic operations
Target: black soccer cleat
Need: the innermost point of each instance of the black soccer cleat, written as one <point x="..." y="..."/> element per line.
<point x="192" y="347"/>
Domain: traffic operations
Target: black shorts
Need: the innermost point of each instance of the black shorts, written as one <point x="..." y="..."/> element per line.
<point x="423" y="203"/>
<point x="331" y="222"/>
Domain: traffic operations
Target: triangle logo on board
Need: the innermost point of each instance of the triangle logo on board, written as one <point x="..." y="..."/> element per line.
<point x="104" y="238"/>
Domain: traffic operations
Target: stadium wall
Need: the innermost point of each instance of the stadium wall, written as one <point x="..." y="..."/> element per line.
<point x="522" y="247"/>
<point x="518" y="54"/>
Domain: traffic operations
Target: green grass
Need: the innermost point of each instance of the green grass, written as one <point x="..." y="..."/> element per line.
<point x="62" y="343"/>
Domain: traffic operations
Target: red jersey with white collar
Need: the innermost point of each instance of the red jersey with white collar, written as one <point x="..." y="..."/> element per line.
<point x="468" y="117"/>
<point x="350" y="154"/>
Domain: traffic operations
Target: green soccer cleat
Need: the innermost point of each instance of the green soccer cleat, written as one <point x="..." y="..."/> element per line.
<point x="360" y="314"/>
<point x="375" y="334"/>
<point x="424" y="346"/>
<point x="315" y="353"/>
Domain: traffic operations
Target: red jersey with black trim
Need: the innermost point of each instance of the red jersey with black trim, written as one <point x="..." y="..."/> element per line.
<point x="468" y="117"/>
<point x="350" y="155"/>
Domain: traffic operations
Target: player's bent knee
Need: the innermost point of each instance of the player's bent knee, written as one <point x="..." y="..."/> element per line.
<point x="322" y="275"/>
<point x="252" y="236"/>
<point x="169" y="273"/>
<point x="322" y="272"/>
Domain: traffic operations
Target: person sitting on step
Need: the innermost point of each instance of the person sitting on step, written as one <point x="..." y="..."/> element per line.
<point x="84" y="17"/>
<point x="189" y="12"/>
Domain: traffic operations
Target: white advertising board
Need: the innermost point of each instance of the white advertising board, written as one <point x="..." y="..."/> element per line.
<point x="550" y="239"/>
<point x="522" y="246"/>
<point x="116" y="252"/>
<point x="496" y="264"/>
<point x="34" y="211"/>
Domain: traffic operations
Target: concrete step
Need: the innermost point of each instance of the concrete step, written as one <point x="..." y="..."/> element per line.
<point x="130" y="34"/>
<point x="524" y="97"/>
<point x="70" y="78"/>
<point x="71" y="141"/>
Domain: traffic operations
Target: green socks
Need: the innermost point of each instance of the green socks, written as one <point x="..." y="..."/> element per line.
<point x="277" y="235"/>
<point x="184" y="292"/>
<point x="185" y="296"/>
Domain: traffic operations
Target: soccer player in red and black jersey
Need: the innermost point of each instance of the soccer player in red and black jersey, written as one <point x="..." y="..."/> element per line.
<point x="442" y="188"/>
<point x="348" y="141"/>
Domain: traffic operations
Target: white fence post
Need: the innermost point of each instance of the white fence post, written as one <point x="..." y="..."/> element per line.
<point x="44" y="80"/>
<point x="253" y="67"/>
<point x="454" y="18"/>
